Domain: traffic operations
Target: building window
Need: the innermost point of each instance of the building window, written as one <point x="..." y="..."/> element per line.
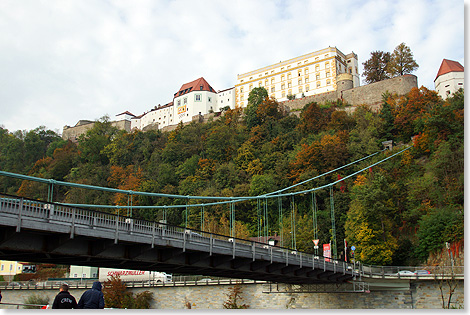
<point x="300" y="81"/>
<point x="282" y="77"/>
<point x="306" y="70"/>
<point x="201" y="87"/>
<point x="300" y="89"/>
<point x="318" y="84"/>
<point x="317" y="68"/>
<point x="327" y="65"/>
<point x="272" y="81"/>
<point x="179" y="102"/>
<point x="241" y="90"/>
<point x="299" y="73"/>
<point x="288" y="76"/>
<point x="283" y="86"/>
<point x="272" y="89"/>
<point x="289" y="84"/>
<point x="185" y="100"/>
<point x="260" y="83"/>
<point x="328" y="74"/>
<point x="328" y="82"/>
<point x="306" y="88"/>
<point x="283" y="93"/>
<point x="306" y="79"/>
<point x="209" y="99"/>
<point x="318" y="76"/>
<point x="241" y="98"/>
<point x="197" y="98"/>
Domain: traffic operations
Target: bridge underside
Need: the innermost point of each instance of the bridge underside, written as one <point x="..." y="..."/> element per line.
<point x="31" y="245"/>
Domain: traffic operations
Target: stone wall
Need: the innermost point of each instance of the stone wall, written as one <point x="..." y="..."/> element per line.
<point x="370" y="94"/>
<point x="422" y="295"/>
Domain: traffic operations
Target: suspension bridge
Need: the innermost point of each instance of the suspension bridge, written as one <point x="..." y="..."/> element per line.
<point x="48" y="232"/>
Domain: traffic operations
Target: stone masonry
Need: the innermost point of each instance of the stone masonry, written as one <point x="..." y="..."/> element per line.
<point x="423" y="294"/>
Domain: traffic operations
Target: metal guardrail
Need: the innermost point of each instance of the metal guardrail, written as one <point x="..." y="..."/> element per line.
<point x="71" y="217"/>
<point x="20" y="209"/>
<point x="77" y="284"/>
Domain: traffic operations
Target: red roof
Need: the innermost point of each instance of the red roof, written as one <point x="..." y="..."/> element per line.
<point x="127" y="113"/>
<point x="449" y="66"/>
<point x="196" y="85"/>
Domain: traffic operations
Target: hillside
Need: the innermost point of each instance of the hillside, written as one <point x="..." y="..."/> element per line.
<point x="397" y="213"/>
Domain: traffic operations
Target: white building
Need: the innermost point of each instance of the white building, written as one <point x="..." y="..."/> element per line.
<point x="194" y="98"/>
<point x="306" y="75"/>
<point x="159" y="117"/>
<point x="449" y="79"/>
<point x="225" y="98"/>
<point x="83" y="272"/>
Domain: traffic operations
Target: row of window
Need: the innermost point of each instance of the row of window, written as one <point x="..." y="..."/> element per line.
<point x="298" y="65"/>
<point x="306" y="80"/>
<point x="197" y="98"/>
<point x="300" y="88"/>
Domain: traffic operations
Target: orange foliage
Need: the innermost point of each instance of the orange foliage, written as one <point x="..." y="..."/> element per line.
<point x="125" y="179"/>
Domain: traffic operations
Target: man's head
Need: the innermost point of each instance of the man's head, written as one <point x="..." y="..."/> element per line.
<point x="64" y="287"/>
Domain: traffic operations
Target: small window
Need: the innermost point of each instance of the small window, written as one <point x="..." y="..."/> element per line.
<point x="318" y="84"/>
<point x="306" y="88"/>
<point x="201" y="87"/>
<point x="272" y="89"/>
<point x="328" y="82"/>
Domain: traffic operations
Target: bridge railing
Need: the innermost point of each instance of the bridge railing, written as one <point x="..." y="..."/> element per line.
<point x="76" y="217"/>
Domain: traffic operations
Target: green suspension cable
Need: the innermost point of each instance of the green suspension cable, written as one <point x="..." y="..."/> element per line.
<point x="333" y="225"/>
<point x="314" y="219"/>
<point x="281" y="230"/>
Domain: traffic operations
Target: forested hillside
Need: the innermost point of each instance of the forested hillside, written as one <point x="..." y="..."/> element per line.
<point x="395" y="213"/>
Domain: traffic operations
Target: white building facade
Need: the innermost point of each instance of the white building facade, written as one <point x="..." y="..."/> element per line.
<point x="450" y="78"/>
<point x="309" y="74"/>
<point x="83" y="272"/>
<point x="225" y="98"/>
<point x="194" y="98"/>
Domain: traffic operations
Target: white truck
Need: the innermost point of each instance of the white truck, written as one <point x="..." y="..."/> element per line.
<point x="127" y="275"/>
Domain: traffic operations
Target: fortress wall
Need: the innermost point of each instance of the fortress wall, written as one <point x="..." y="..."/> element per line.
<point x="370" y="94"/>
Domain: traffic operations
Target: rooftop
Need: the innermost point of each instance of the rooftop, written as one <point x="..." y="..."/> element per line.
<point x="448" y="66"/>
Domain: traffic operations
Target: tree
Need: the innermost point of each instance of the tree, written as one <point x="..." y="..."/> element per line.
<point x="376" y="68"/>
<point x="116" y="296"/>
<point x="401" y="61"/>
<point x="369" y="223"/>
<point x="255" y="98"/>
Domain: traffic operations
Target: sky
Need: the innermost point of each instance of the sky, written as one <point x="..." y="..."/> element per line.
<point x="62" y="61"/>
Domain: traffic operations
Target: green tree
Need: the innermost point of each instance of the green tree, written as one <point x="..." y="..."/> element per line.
<point x="376" y="67"/>
<point x="370" y="225"/>
<point x="401" y="61"/>
<point x="255" y="98"/>
<point x="92" y="143"/>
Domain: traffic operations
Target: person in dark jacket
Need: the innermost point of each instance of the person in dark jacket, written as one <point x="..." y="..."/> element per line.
<point x="92" y="298"/>
<point x="64" y="299"/>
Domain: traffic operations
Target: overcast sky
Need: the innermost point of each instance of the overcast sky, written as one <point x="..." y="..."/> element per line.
<point x="62" y="61"/>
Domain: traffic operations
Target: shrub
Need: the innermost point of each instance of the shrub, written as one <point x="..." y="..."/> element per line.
<point x="36" y="298"/>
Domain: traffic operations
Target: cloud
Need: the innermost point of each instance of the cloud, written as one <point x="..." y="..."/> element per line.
<point x="63" y="61"/>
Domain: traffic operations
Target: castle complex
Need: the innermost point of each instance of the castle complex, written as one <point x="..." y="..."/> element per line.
<point x="324" y="75"/>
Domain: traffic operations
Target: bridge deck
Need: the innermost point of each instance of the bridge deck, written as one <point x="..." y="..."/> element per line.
<point x="37" y="231"/>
